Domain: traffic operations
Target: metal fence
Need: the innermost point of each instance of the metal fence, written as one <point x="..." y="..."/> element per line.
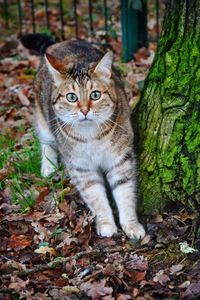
<point x="98" y="21"/>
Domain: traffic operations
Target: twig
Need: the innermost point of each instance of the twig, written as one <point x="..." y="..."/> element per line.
<point x="56" y="263"/>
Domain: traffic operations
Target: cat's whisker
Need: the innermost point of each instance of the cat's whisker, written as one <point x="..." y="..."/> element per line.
<point x="52" y="120"/>
<point x="60" y="127"/>
<point x="99" y="126"/>
<point x="109" y="125"/>
<point x="71" y="129"/>
<point x="116" y="124"/>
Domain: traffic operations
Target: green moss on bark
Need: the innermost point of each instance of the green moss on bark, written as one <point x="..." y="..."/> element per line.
<point x="168" y="115"/>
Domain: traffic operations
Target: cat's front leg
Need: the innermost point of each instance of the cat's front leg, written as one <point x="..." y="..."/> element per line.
<point x="49" y="155"/>
<point x="122" y="182"/>
<point x="92" y="189"/>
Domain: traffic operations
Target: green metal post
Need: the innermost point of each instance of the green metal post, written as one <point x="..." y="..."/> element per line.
<point x="134" y="32"/>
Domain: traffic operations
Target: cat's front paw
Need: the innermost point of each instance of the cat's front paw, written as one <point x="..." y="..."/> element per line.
<point x="134" y="230"/>
<point x="106" y="229"/>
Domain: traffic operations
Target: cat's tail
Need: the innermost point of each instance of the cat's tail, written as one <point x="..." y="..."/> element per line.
<point x="37" y="41"/>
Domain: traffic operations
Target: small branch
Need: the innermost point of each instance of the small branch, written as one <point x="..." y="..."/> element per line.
<point x="56" y="263"/>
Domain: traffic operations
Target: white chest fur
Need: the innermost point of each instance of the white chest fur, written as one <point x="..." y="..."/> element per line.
<point x="94" y="155"/>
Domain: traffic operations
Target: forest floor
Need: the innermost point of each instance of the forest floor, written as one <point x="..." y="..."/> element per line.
<point x="48" y="245"/>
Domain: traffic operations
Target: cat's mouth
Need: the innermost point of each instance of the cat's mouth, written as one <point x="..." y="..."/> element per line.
<point x="85" y="120"/>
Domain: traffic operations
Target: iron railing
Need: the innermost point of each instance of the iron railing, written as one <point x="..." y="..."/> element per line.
<point x="80" y="19"/>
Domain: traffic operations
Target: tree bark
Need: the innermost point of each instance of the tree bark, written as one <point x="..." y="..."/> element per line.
<point x="168" y="115"/>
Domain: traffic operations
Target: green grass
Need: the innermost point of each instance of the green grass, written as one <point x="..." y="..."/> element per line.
<point x="22" y="164"/>
<point x="26" y="159"/>
<point x="6" y="144"/>
<point x="21" y="157"/>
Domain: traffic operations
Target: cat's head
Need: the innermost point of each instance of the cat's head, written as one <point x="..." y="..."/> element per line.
<point x="84" y="94"/>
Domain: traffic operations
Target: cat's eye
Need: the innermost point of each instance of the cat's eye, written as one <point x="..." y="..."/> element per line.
<point x="95" y="95"/>
<point x="72" y="97"/>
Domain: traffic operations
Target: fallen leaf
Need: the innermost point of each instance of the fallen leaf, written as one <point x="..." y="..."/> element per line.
<point x="161" y="278"/>
<point x="145" y="240"/>
<point x="69" y="289"/>
<point x="176" y="268"/>
<point x="192" y="291"/>
<point x="44" y="250"/>
<point x="158" y="219"/>
<point x="109" y="270"/>
<point x="137" y="262"/>
<point x="3" y="173"/>
<point x="15" y="265"/>
<point x="18" y="242"/>
<point x="43" y="233"/>
<point x="136" y="276"/>
<point x="184" y="284"/>
<point x="135" y="292"/>
<point x="18" y="284"/>
<point x="97" y="289"/>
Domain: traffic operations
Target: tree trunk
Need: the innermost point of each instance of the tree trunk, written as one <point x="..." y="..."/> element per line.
<point x="168" y="114"/>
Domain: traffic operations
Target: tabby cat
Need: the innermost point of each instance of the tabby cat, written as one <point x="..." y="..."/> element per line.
<point x="81" y="112"/>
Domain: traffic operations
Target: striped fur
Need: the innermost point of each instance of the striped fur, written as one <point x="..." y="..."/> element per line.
<point x="93" y="137"/>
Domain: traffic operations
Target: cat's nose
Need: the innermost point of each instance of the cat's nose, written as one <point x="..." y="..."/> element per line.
<point x="84" y="110"/>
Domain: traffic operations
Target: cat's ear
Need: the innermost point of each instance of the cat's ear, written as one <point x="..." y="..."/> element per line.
<point x="104" y="67"/>
<point x="55" y="66"/>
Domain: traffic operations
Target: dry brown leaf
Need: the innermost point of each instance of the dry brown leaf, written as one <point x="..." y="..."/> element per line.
<point x="176" y="269"/>
<point x="69" y="289"/>
<point x="15" y="265"/>
<point x="137" y="262"/>
<point x="18" y="284"/>
<point x="135" y="275"/>
<point x="145" y="240"/>
<point x="97" y="289"/>
<point x="18" y="242"/>
<point x="158" y="219"/>
<point x="3" y="173"/>
<point x="43" y="232"/>
<point x="161" y="278"/>
<point x="184" y="284"/>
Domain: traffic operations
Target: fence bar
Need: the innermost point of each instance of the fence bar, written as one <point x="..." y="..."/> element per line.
<point x="19" y="15"/>
<point x="46" y="3"/>
<point x="90" y="17"/>
<point x="76" y="18"/>
<point x="6" y="13"/>
<point x="33" y="15"/>
<point x="134" y="28"/>
<point x="106" y="20"/>
<point x="157" y="20"/>
<point x="61" y="18"/>
<point x="129" y="20"/>
<point x="142" y="26"/>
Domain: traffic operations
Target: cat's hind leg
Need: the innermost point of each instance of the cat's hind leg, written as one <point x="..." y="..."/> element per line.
<point x="49" y="159"/>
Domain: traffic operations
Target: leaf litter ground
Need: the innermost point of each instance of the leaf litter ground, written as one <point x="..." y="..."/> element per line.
<point x="48" y="245"/>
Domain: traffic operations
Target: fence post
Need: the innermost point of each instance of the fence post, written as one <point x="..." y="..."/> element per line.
<point x="134" y="28"/>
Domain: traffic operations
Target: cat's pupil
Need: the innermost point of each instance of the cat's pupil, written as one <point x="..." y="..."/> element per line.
<point x="95" y="95"/>
<point x="71" y="97"/>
